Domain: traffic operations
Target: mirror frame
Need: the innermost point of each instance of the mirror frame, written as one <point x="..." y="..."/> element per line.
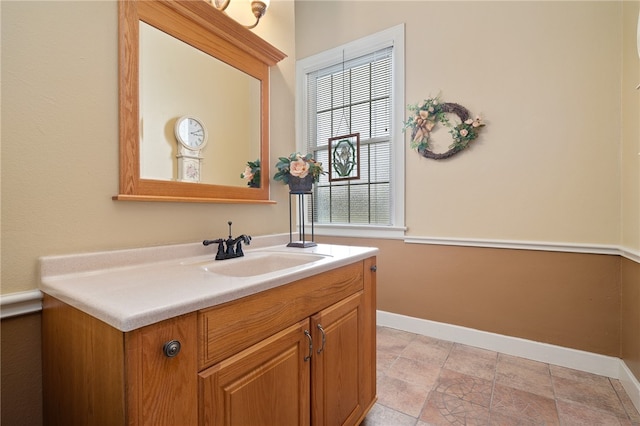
<point x="202" y="26"/>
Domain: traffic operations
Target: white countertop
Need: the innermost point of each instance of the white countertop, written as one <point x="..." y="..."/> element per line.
<point x="129" y="289"/>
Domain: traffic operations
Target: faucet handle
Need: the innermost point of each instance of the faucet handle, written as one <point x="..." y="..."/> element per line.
<point x="220" y="254"/>
<point x="240" y="239"/>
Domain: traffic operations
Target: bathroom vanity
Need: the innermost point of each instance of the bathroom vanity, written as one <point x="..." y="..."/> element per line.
<point x="280" y="337"/>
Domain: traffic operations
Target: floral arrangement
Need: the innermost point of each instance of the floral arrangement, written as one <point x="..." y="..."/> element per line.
<point x="432" y="112"/>
<point x="299" y="166"/>
<point x="252" y="174"/>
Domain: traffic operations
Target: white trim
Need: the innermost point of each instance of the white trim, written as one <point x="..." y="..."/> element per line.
<point x="517" y="245"/>
<point x="358" y="231"/>
<point x="15" y="304"/>
<point x="630" y="254"/>
<point x="529" y="245"/>
<point x="543" y="352"/>
<point x="566" y="357"/>
<point x="398" y="143"/>
<point x="350" y="50"/>
<point x="630" y="384"/>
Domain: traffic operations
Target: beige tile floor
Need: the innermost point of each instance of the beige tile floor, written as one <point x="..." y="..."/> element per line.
<point x="425" y="381"/>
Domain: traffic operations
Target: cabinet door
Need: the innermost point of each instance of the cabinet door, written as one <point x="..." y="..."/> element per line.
<point x="266" y="384"/>
<point x="338" y="363"/>
<point x="162" y="387"/>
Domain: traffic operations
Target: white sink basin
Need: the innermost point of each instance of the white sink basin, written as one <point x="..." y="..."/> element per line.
<point x="253" y="264"/>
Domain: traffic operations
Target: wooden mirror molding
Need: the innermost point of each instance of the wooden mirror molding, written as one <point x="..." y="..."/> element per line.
<point x="198" y="24"/>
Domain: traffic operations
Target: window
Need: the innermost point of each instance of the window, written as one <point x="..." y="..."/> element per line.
<point x="356" y="88"/>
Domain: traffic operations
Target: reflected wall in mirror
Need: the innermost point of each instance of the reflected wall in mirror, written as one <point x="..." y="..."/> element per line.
<point x="177" y="80"/>
<point x="156" y="90"/>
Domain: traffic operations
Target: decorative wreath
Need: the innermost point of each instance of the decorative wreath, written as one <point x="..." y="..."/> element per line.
<point x="431" y="112"/>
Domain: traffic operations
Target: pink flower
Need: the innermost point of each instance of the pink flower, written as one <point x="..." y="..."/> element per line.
<point x="247" y="173"/>
<point x="299" y="168"/>
<point x="469" y="121"/>
<point x="477" y="122"/>
<point x="464" y="132"/>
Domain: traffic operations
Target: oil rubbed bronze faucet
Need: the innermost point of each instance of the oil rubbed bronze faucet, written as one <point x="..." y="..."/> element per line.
<point x="234" y="245"/>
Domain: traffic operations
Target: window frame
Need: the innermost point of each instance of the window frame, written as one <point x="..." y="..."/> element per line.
<point x="390" y="37"/>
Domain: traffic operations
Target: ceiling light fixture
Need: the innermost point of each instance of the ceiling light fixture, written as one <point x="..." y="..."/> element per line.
<point x="258" y="7"/>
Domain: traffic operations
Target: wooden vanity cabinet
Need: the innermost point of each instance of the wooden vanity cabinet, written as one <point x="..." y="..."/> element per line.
<point x="299" y="354"/>
<point x="94" y="374"/>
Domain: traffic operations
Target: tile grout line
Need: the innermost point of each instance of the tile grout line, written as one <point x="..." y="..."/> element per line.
<point x="555" y="395"/>
<point x="493" y="386"/>
<point x="548" y="372"/>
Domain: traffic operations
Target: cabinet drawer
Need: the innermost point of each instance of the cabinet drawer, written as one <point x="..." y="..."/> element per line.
<point x="229" y="328"/>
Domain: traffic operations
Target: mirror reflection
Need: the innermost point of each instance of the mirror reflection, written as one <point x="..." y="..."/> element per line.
<point x="178" y="80"/>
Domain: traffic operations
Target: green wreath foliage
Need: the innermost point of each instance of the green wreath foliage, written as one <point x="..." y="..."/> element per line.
<point x="431" y="112"/>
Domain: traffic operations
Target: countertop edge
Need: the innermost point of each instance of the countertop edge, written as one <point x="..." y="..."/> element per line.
<point x="125" y="322"/>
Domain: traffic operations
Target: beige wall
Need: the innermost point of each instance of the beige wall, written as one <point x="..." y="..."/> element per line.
<point x="630" y="154"/>
<point x="545" y="75"/>
<point x="60" y="142"/>
<point x="557" y="162"/>
<point x="630" y="184"/>
<point x="60" y="163"/>
<point x="546" y="78"/>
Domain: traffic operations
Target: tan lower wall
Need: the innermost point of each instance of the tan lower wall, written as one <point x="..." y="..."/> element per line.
<point x="630" y="315"/>
<point x="21" y="385"/>
<point x="565" y="299"/>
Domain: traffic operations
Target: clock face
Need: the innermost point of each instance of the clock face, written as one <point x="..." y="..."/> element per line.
<point x="191" y="133"/>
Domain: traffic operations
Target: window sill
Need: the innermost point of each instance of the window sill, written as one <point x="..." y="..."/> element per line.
<point x="358" y="231"/>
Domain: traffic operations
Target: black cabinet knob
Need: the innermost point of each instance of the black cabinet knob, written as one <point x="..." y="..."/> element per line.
<point x="171" y="348"/>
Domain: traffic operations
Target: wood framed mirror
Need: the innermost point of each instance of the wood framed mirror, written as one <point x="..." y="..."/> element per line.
<point x="210" y="34"/>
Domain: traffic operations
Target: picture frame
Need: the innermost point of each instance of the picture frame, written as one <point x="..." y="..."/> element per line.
<point x="344" y="157"/>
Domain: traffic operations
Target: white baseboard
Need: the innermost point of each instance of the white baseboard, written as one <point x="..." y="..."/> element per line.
<point x="565" y="357"/>
<point x="630" y="384"/>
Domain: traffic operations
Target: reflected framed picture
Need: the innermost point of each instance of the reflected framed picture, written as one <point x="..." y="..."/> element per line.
<point x="344" y="157"/>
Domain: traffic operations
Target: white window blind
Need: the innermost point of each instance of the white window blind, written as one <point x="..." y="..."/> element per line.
<point x="353" y="96"/>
